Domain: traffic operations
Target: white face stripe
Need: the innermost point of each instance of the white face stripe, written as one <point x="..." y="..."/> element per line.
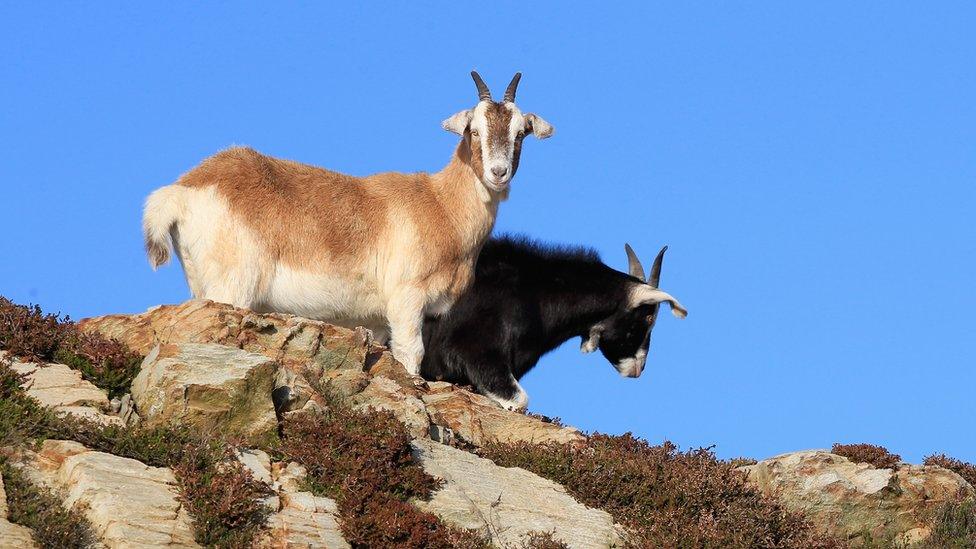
<point x="497" y="157"/>
<point x="632" y="367"/>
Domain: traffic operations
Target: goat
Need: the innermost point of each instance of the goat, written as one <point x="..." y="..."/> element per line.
<point x="526" y="300"/>
<point x="381" y="251"/>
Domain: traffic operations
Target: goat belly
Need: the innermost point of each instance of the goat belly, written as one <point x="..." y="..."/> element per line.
<point x="323" y="296"/>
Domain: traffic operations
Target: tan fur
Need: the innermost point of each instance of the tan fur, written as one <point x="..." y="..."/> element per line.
<point x="277" y="235"/>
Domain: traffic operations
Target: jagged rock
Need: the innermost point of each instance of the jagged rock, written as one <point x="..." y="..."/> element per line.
<point x="300" y="519"/>
<point x="289" y="476"/>
<point x="59" y="387"/>
<point x="130" y="504"/>
<point x="509" y="502"/>
<point x="13" y="536"/>
<point x="478" y="420"/>
<point x="385" y="394"/>
<point x="305" y="521"/>
<point x="344" y="383"/>
<point x="849" y="499"/>
<point x="208" y="386"/>
<point x="294" y="342"/>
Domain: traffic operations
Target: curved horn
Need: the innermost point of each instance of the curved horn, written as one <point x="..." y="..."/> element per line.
<point x="651" y="296"/>
<point x="512" y="86"/>
<point x="634" y="264"/>
<point x="483" y="93"/>
<point x="655" y="278"/>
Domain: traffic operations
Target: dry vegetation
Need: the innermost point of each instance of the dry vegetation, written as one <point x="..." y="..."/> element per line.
<point x="878" y="456"/>
<point x="364" y="461"/>
<point x="666" y="497"/>
<point x="966" y="470"/>
<point x="27" y="332"/>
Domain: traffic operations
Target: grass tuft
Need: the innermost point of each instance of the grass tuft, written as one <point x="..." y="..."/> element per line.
<point x="39" y="509"/>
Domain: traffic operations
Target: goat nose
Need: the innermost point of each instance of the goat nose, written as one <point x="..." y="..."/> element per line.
<point x="499" y="171"/>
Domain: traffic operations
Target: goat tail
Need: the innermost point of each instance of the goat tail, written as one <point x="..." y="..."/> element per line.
<point x="164" y="209"/>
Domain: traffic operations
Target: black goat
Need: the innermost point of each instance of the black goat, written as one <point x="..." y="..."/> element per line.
<point x="526" y="300"/>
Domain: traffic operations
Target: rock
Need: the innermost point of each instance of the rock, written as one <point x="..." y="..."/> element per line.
<point x="56" y="385"/>
<point x="59" y="387"/>
<point x="12" y="535"/>
<point x="129" y="503"/>
<point x="289" y="476"/>
<point x="509" y="502"/>
<point x="258" y="463"/>
<point x="385" y="394"/>
<point x="344" y="383"/>
<point x="207" y="386"/>
<point x="127" y="410"/>
<point x="294" y="342"/>
<point x="849" y="499"/>
<point x="305" y="521"/>
<point x="478" y="420"/>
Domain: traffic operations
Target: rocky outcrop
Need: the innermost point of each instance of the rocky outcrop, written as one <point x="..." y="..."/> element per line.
<point x="12" y="535"/>
<point x="507" y="502"/>
<point x="300" y="519"/>
<point x="129" y="504"/>
<point x="478" y="420"/>
<point x="289" y="340"/>
<point x="309" y="353"/>
<point x="853" y="499"/>
<point x="213" y="387"/>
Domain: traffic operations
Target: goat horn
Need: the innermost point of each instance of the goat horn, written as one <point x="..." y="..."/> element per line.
<point x="655" y="278"/>
<point x="483" y="93"/>
<point x="634" y="264"/>
<point x="512" y="86"/>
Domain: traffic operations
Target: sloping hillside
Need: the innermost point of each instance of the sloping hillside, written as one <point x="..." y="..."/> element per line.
<point x="204" y="425"/>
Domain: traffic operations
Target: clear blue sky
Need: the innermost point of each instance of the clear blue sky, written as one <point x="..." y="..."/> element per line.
<point x="812" y="169"/>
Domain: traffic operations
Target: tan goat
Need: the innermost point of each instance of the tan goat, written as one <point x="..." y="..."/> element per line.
<point x="378" y="251"/>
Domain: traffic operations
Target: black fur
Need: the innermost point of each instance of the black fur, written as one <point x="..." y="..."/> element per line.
<point x="526" y="300"/>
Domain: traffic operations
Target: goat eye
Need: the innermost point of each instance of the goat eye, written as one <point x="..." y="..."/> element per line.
<point x="474" y="133"/>
<point x="520" y="134"/>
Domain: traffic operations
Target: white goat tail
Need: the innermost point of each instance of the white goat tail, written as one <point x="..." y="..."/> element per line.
<point x="164" y="208"/>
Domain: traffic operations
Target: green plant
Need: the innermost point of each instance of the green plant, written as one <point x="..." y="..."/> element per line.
<point x="29" y="333"/>
<point x="954" y="526"/>
<point x="39" y="509"/>
<point x="667" y="498"/>
<point x="878" y="456"/>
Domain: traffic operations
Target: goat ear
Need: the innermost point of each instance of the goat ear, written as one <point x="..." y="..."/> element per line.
<point x="458" y="122"/>
<point x="592" y="341"/>
<point x="648" y="295"/>
<point x="535" y="125"/>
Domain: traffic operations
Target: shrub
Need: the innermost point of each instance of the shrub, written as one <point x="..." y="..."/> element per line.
<point x="954" y="527"/>
<point x="542" y="540"/>
<point x="966" y="470"/>
<point x="39" y="509"/>
<point x="220" y="493"/>
<point x="667" y="498"/>
<point x="29" y="333"/>
<point x="222" y="496"/>
<point x="364" y="461"/>
<point x="878" y="456"/>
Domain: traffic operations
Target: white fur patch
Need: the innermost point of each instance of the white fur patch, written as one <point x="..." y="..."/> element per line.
<point x="517" y="403"/>
<point x="632" y="367"/>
